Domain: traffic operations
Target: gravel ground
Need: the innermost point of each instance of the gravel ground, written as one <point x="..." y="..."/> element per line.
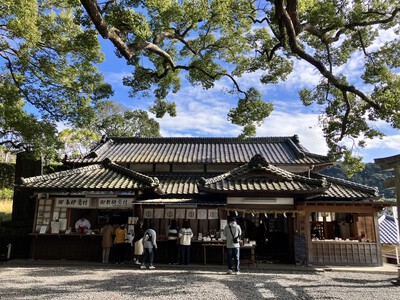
<point x="128" y="282"/>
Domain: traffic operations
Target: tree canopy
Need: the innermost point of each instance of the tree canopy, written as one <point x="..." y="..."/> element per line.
<point x="111" y="119"/>
<point x="207" y="40"/>
<point x="48" y="72"/>
<point x="49" y="51"/>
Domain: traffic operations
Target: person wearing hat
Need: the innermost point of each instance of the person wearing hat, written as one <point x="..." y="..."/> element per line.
<point x="119" y="243"/>
<point x="232" y="232"/>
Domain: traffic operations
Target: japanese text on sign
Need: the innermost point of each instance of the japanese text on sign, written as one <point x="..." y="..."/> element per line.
<point x="114" y="202"/>
<point x="72" y="202"/>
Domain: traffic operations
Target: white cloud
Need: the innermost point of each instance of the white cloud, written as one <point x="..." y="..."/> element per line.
<point x="383" y="37"/>
<point x="303" y="76"/>
<point x="388" y="143"/>
<point x="115" y="78"/>
<point x="203" y="113"/>
<point x="199" y="113"/>
<point x="289" y="123"/>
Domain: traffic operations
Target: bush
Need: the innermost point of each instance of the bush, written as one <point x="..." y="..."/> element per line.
<point x="7" y="173"/>
<point x="6" y="194"/>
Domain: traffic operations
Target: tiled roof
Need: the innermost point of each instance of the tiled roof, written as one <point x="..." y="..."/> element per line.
<point x="179" y="183"/>
<point x="276" y="150"/>
<point x="388" y="230"/>
<point x="260" y="176"/>
<point x="255" y="176"/>
<point x="106" y="176"/>
<point x="344" y="189"/>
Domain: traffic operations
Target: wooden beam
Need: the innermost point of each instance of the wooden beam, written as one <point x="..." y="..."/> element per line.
<point x="388" y="163"/>
<point x="390" y="183"/>
<point x="338" y="209"/>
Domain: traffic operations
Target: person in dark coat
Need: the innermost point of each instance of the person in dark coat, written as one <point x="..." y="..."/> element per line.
<point x="138" y="241"/>
<point x="173" y="242"/>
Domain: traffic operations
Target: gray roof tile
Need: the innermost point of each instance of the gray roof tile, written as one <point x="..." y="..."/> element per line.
<point x="251" y="177"/>
<point x="276" y="150"/>
<point x="344" y="189"/>
<point x="106" y="176"/>
<point x="260" y="176"/>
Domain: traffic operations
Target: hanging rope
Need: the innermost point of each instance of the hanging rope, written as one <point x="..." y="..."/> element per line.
<point x="259" y="211"/>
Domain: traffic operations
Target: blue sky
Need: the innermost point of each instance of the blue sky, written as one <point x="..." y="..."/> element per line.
<point x="203" y="113"/>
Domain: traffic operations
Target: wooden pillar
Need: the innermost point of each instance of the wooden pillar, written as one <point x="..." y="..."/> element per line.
<point x="397" y="183"/>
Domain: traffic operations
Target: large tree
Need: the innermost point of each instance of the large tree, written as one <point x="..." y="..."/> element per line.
<point x="111" y="119"/>
<point x="209" y="40"/>
<point x="48" y="71"/>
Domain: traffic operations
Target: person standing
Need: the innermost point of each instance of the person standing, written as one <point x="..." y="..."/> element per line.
<point x="138" y="241"/>
<point x="185" y="235"/>
<point x="173" y="242"/>
<point x="119" y="243"/>
<point x="149" y="246"/>
<point x="107" y="241"/>
<point x="232" y="232"/>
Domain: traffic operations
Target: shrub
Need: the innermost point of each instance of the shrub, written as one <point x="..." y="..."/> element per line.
<point x="7" y="173"/>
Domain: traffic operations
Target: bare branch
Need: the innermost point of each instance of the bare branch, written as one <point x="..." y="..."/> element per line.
<point x="111" y="33"/>
<point x="351" y="26"/>
<point x="346" y="115"/>
<point x="296" y="49"/>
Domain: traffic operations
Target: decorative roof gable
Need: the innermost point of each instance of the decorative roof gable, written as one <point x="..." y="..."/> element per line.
<point x="105" y="176"/>
<point x="260" y="176"/>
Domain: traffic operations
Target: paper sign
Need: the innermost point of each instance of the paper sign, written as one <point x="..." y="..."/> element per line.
<point x="202" y="214"/>
<point x="159" y="213"/>
<point x="43" y="229"/>
<point x="148" y="213"/>
<point x="213" y="214"/>
<point x="180" y="213"/>
<point x="190" y="213"/>
<point x="170" y="213"/>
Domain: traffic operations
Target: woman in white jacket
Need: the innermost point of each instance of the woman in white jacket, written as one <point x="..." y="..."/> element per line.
<point x="185" y="236"/>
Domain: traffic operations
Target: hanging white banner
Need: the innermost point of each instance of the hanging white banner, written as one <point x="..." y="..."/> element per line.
<point x="159" y="213"/>
<point x="202" y="214"/>
<point x="180" y="213"/>
<point x="170" y="213"/>
<point x="148" y="213"/>
<point x="213" y="214"/>
<point x="191" y="213"/>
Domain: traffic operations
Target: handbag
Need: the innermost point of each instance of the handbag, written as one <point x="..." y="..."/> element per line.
<point x="235" y="239"/>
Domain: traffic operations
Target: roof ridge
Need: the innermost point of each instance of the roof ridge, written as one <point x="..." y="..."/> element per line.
<point x="152" y="181"/>
<point x="100" y="148"/>
<point x="200" y="139"/>
<point x="258" y="162"/>
<point x="60" y="174"/>
<point x="347" y="182"/>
